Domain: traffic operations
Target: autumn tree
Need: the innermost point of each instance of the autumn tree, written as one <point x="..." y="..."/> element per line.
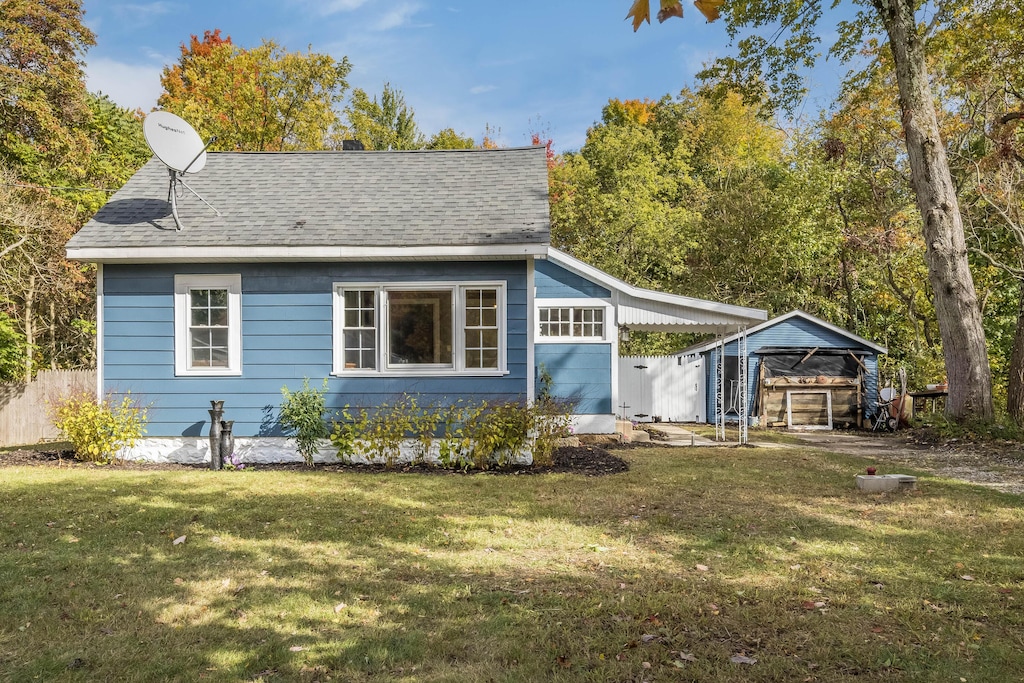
<point x="259" y="99"/>
<point x="768" y="66"/>
<point x="48" y="151"/>
<point x="43" y="108"/>
<point x="384" y="123"/>
<point x="41" y="293"/>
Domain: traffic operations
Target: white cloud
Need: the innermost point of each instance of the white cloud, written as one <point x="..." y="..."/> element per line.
<point x="481" y="89"/>
<point x="335" y="6"/>
<point x="129" y="85"/>
<point x="142" y="14"/>
<point x="397" y="16"/>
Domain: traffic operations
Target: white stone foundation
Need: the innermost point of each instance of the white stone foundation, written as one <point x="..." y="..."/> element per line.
<point x="265" y="450"/>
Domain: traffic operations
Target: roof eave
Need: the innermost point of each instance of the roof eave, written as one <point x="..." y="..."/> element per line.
<point x="250" y="254"/>
<point x="741" y="315"/>
<point x="795" y="313"/>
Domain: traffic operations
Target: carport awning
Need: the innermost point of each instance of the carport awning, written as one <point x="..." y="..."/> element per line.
<point x="650" y="311"/>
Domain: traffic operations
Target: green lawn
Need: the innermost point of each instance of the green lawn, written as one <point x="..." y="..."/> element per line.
<point x="662" y="574"/>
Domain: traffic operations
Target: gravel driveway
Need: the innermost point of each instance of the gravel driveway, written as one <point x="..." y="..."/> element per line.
<point x="998" y="465"/>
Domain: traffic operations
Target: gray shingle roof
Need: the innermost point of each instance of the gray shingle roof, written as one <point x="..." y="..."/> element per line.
<point x="338" y="199"/>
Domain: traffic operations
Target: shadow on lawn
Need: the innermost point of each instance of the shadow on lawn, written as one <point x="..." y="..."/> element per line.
<point x="479" y="578"/>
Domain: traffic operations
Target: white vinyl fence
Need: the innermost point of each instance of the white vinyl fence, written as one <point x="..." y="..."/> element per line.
<point x="668" y="388"/>
<point x="24" y="418"/>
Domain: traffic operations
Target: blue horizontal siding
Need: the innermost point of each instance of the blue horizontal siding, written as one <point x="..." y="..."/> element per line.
<point x="581" y="373"/>
<point x="286" y="336"/>
<point x="555" y="282"/>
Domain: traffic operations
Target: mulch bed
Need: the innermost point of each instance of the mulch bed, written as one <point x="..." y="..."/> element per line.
<point x="589" y="461"/>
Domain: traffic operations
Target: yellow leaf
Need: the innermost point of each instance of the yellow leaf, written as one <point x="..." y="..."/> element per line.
<point x="670" y="8"/>
<point x="709" y="8"/>
<point x="641" y="12"/>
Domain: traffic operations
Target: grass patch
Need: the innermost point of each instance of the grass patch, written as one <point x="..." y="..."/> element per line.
<point x="665" y="572"/>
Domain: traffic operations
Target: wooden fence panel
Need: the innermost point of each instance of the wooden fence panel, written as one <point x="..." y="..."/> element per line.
<point x="24" y="418"/>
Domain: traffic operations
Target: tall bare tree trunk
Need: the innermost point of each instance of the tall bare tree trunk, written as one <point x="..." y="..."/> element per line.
<point x="53" y="338"/>
<point x="1015" y="385"/>
<point x="30" y="337"/>
<point x="956" y="302"/>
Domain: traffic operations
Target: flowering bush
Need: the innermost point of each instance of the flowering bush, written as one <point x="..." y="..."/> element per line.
<point x="99" y="431"/>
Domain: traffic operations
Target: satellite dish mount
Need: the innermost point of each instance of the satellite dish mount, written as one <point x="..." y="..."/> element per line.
<point x="178" y="146"/>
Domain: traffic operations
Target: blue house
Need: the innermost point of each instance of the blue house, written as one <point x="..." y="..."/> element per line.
<point x="801" y="372"/>
<point x="389" y="273"/>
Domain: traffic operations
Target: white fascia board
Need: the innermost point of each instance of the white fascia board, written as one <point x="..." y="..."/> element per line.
<point x="616" y="285"/>
<point x="227" y="254"/>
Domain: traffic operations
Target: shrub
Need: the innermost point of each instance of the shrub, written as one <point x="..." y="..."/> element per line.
<point x="302" y="414"/>
<point x="469" y="435"/>
<point x="99" y="431"/>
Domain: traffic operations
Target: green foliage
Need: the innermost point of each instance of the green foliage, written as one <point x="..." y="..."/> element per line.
<point x="119" y="148"/>
<point x="99" y="431"/>
<point x="12" y="351"/>
<point x="449" y="139"/>
<point x="467" y="435"/>
<point x="385" y="124"/>
<point x="303" y="414"/>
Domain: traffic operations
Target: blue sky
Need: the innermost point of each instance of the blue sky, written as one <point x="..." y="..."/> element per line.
<point x="515" y="66"/>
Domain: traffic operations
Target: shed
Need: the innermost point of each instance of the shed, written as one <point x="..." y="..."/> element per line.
<point x="802" y="372"/>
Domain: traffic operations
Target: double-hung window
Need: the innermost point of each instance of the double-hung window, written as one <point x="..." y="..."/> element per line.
<point x="207" y="325"/>
<point x="436" y="328"/>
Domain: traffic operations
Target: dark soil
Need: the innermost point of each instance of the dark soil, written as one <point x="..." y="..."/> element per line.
<point x="591" y="461"/>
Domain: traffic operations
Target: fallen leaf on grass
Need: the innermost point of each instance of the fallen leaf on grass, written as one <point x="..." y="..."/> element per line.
<point x="295" y="648"/>
<point x="702" y="567"/>
<point x="967" y="577"/>
<point x="685" y="656"/>
<point x="648" y="637"/>
<point x="179" y="540"/>
<point x="340" y="606"/>
<point x="742" y="659"/>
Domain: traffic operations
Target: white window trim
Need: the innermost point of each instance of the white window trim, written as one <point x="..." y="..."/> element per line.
<point x="182" y="285"/>
<point x="609" y="320"/>
<point x="458" y="318"/>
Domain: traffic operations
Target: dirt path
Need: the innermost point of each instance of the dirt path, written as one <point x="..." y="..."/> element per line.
<point x="999" y="466"/>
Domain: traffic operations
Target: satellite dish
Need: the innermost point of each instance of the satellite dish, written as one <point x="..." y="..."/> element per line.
<point x="174" y="142"/>
<point x="178" y="146"/>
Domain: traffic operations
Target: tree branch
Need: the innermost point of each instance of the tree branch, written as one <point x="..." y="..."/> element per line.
<point x="12" y="247"/>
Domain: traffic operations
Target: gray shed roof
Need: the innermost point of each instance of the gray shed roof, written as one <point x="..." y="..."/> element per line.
<point x="335" y="204"/>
